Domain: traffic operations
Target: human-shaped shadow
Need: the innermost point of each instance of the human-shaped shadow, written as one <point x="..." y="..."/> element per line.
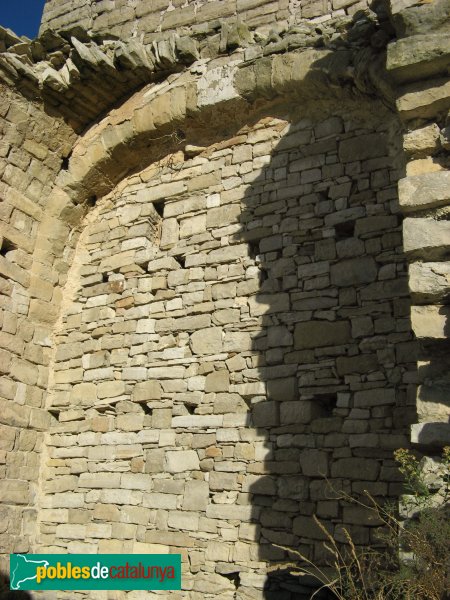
<point x="335" y="348"/>
<point x="7" y="594"/>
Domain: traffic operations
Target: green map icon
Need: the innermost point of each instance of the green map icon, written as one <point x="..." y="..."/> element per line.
<point x="23" y="569"/>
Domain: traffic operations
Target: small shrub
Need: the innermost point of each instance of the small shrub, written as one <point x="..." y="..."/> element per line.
<point x="412" y="561"/>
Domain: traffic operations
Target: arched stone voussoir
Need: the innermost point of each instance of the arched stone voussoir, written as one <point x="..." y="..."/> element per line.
<point x="204" y="102"/>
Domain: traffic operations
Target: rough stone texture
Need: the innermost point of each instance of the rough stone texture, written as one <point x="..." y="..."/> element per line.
<point x="206" y="306"/>
<point x="31" y="151"/>
<point x="248" y="346"/>
<point x="155" y="20"/>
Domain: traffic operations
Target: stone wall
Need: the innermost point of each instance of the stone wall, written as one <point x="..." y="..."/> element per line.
<point x="250" y="192"/>
<point x="31" y="149"/>
<point x="238" y="330"/>
<point x="153" y="20"/>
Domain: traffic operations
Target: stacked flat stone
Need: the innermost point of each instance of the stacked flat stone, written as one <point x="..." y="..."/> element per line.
<point x="204" y="296"/>
<point x="419" y="62"/>
<point x="239" y="331"/>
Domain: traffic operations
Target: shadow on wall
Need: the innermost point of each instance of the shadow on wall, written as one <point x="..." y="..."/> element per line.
<point x="434" y="376"/>
<point x="334" y="362"/>
<point x="7" y="594"/>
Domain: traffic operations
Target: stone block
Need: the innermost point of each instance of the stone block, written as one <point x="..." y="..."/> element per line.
<point x="265" y="414"/>
<point x="154" y="461"/>
<point x="374" y="397"/>
<point x="355" y="468"/>
<point x="316" y="334"/>
<point x="181" y="520"/>
<point x="314" y="463"/>
<point x="423" y="192"/>
<point x="354" y="271"/>
<point x="231" y="511"/>
<point x="197" y="421"/>
<point x="433" y="403"/>
<point x="299" y="411"/>
<point x="422" y="166"/>
<point x="283" y="390"/>
<point x="222" y="481"/>
<point x="99" y="480"/>
<point x="196" y="496"/>
<point x="426" y="238"/>
<point x="181" y="461"/>
<point x="418" y="57"/>
<point x="223" y="215"/>
<point x="423" y="141"/>
<point x="307" y="528"/>
<point x="146" y="391"/>
<point x="367" y="146"/>
<point x="14" y="491"/>
<point x="217" y="381"/>
<point x="110" y="389"/>
<point x="430" y="321"/>
<point x="130" y="422"/>
<point x="169" y="233"/>
<point x="207" y="341"/>
<point x="431" y="434"/>
<point x="363" y="363"/>
<point x="424" y="100"/>
<point x="262" y="304"/>
<point x="429" y="282"/>
<point x="71" y="531"/>
<point x="160" y="501"/>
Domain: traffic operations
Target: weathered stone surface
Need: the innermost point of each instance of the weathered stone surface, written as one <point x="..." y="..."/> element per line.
<point x="426" y="238"/>
<point x="178" y="462"/>
<point x="431" y="434"/>
<point x="430" y="321"/>
<point x="424" y="191"/>
<point x="207" y="341"/>
<point x="321" y="333"/>
<point x="235" y="320"/>
<point x="422" y="141"/>
<point x="429" y="282"/>
<point x="425" y="100"/>
<point x="147" y="391"/>
<point x="410" y="18"/>
<point x="354" y="272"/>
<point x="433" y="403"/>
<point x="418" y="56"/>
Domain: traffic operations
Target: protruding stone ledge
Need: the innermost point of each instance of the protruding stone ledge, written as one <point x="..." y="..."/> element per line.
<point x="429" y="282"/>
<point x="424" y="191"/>
<point x="431" y="322"/>
<point x="426" y="238"/>
<point x="435" y="434"/>
<point x="433" y="403"/>
<point x="423" y="141"/>
<point x="424" y="100"/>
<point x="418" y="57"/>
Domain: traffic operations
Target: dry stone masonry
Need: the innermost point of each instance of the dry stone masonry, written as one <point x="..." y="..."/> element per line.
<point x="224" y="278"/>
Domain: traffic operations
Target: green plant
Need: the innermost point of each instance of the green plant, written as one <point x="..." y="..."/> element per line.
<point x="411" y="561"/>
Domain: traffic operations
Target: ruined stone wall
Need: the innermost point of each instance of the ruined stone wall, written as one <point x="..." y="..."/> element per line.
<point x="235" y="329"/>
<point x="31" y="149"/>
<point x="153" y="20"/>
<point x="281" y="239"/>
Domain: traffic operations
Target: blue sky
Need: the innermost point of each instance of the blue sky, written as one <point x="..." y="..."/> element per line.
<point x="22" y="16"/>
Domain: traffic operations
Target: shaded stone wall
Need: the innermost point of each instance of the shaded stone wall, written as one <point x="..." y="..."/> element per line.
<point x="153" y="20"/>
<point x="31" y="149"/>
<point x="239" y="330"/>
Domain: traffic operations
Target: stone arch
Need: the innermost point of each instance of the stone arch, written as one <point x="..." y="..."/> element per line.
<point x="83" y="181"/>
